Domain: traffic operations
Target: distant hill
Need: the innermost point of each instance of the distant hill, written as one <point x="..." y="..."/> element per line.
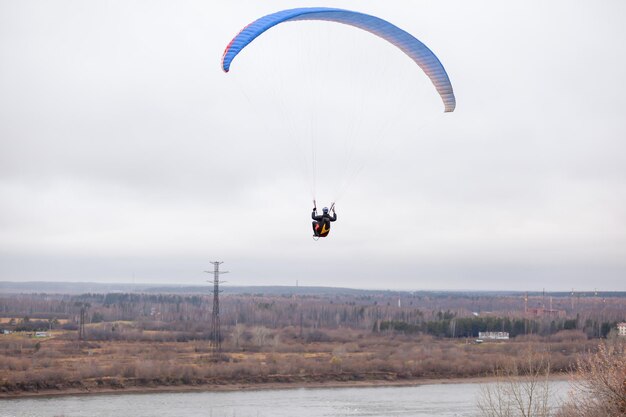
<point x="7" y="287"/>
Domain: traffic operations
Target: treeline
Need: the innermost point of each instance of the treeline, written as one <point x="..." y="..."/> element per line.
<point x="417" y="313"/>
<point x="471" y="326"/>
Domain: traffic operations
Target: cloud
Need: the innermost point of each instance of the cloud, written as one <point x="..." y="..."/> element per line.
<point x="126" y="152"/>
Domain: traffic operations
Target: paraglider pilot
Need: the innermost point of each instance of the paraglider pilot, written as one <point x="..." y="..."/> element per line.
<point x="321" y="223"/>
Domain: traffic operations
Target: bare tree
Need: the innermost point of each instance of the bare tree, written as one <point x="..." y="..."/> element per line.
<point x="237" y="334"/>
<point x="599" y="383"/>
<point x="261" y="334"/>
<point x="522" y="389"/>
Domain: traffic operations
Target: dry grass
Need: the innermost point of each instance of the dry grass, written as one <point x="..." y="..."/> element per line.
<point x="260" y="356"/>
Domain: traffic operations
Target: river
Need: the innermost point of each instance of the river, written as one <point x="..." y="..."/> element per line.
<point x="445" y="400"/>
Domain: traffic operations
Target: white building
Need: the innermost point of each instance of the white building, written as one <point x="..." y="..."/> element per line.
<point x="621" y="328"/>
<point x="493" y="335"/>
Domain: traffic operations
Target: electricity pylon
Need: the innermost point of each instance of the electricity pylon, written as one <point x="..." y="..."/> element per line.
<point x="216" y="333"/>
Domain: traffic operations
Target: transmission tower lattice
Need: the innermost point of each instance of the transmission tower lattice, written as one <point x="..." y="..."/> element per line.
<point x="82" y="318"/>
<point x="216" y="333"/>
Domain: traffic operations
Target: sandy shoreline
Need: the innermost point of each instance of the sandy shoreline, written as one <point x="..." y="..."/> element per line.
<point x="252" y="387"/>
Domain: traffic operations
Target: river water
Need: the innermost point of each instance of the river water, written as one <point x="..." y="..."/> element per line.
<point x="446" y="400"/>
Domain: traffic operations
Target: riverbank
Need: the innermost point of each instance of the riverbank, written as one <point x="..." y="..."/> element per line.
<point x="94" y="388"/>
<point x="442" y="400"/>
<point x="59" y="365"/>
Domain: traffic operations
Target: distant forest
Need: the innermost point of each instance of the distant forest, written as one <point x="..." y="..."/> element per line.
<point x="312" y="309"/>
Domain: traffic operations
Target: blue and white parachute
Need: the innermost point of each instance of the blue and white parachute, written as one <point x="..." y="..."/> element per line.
<point x="406" y="42"/>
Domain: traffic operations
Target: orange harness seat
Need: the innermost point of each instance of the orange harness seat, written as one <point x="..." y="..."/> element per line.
<point x="321" y="229"/>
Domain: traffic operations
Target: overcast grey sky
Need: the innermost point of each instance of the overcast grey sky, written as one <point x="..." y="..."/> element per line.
<point x="126" y="154"/>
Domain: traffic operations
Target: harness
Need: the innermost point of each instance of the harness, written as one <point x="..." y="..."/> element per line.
<point x="323" y="222"/>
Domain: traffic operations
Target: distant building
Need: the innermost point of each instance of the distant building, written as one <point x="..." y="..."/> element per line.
<point x="621" y="329"/>
<point x="493" y="335"/>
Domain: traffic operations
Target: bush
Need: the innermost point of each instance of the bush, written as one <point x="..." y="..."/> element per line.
<point x="599" y="387"/>
<point x="317" y="336"/>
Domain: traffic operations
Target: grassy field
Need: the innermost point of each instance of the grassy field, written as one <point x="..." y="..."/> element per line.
<point x="4" y="320"/>
<point x="256" y="355"/>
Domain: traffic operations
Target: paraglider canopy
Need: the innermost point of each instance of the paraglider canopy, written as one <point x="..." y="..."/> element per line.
<point x="406" y="42"/>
